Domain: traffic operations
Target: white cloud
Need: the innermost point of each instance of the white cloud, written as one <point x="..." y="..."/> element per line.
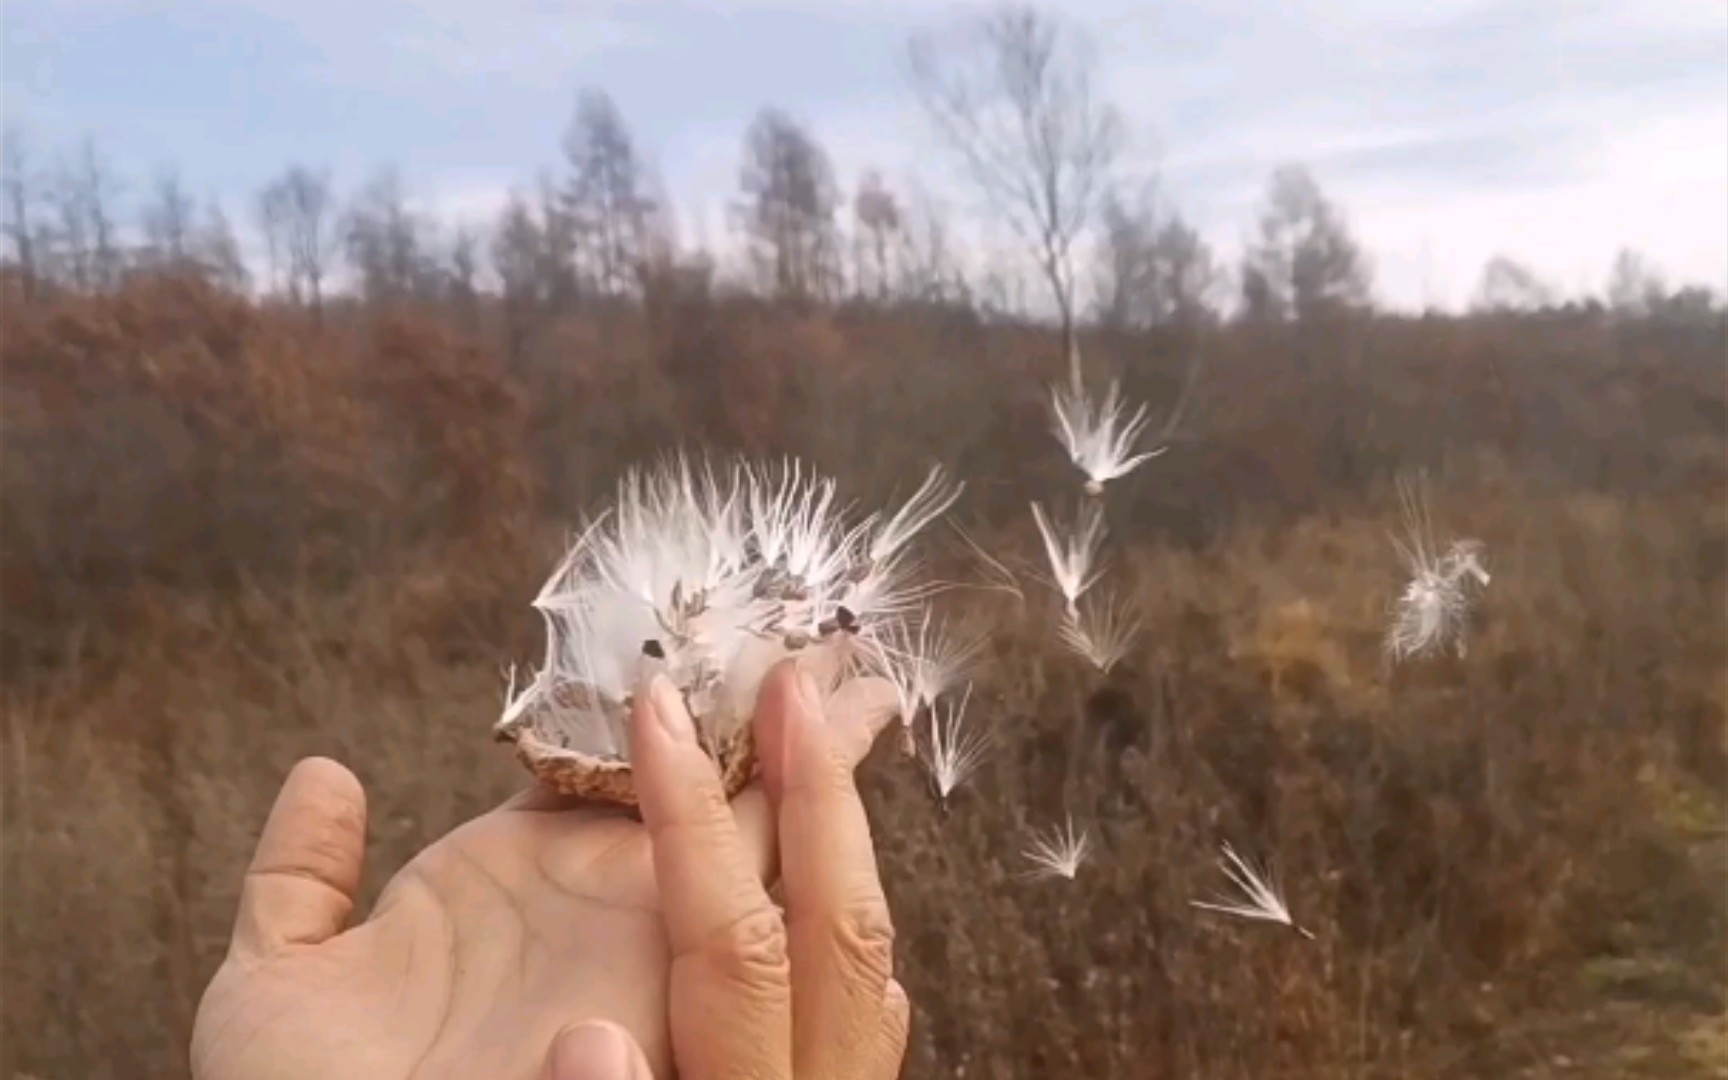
<point x="471" y="203"/>
<point x="1551" y="130"/>
<point x="1649" y="188"/>
<point x="466" y="48"/>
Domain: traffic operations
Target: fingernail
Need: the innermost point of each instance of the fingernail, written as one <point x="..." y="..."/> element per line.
<point x="591" y="1051"/>
<point x="806" y="713"/>
<point x="670" y="710"/>
<point x="810" y="712"/>
<point x="812" y="695"/>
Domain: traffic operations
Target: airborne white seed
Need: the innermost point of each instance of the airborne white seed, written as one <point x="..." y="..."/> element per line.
<point x="1072" y="550"/>
<point x="1059" y="852"/>
<point x="1432" y="611"/>
<point x="1262" y="899"/>
<point x="952" y="750"/>
<point x="1098" y="436"/>
<point x="1100" y="630"/>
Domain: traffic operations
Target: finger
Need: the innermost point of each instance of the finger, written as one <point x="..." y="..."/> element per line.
<point x="889" y="1055"/>
<point x="305" y="872"/>
<point x="542" y="798"/>
<point x="857" y="713"/>
<point x="731" y="995"/>
<point x="750" y="811"/>
<point x="840" y="936"/>
<point x="754" y="818"/>
<point x="595" y="1051"/>
<point x="565" y="822"/>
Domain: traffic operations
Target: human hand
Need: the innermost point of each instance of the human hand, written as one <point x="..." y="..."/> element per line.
<point x="757" y="995"/>
<point x="482" y="950"/>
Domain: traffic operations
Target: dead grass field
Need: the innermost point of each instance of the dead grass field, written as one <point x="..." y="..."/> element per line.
<point x="232" y="539"/>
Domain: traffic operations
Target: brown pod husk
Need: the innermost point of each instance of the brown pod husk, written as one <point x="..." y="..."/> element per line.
<point x="572" y="773"/>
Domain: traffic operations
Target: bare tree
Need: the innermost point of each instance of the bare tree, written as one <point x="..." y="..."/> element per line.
<point x="560" y="256"/>
<point x="1011" y="93"/>
<point x="1306" y="264"/>
<point x="876" y="226"/>
<point x="1185" y="273"/>
<point x="218" y="251"/>
<point x="72" y="233"/>
<point x="1510" y="286"/>
<point x="274" y="233"/>
<point x="607" y="196"/>
<point x="1155" y="270"/>
<point x="518" y="257"/>
<point x="297" y="213"/>
<point x="788" y="209"/>
<point x="1125" y="259"/>
<point x="170" y="224"/>
<point x="23" y="230"/>
<point x="1261" y="301"/>
<point x="100" y="194"/>
<point x="84" y="196"/>
<point x="464" y="270"/>
<point x="387" y="243"/>
<point x="1635" y="287"/>
<point x="1697" y="304"/>
<point x="926" y="271"/>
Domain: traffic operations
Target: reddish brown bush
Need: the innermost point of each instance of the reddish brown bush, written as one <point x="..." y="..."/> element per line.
<point x="232" y="538"/>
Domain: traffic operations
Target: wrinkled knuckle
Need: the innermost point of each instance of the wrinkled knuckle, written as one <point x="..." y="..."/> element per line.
<point x="751" y="950"/>
<point x="347" y="803"/>
<point x="328" y="850"/>
<point x="840" y="775"/>
<point x="703" y="818"/>
<point x="708" y="807"/>
<point x="825" y="779"/>
<point x="893" y="1036"/>
<point x="864" y="939"/>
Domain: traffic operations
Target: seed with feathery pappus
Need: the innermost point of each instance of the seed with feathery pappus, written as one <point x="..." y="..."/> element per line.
<point x="1059" y="852"/>
<point x="1262" y="900"/>
<point x="1100" y="631"/>
<point x="1432" y="611"/>
<point x="923" y="659"/>
<point x="710" y="575"/>
<point x="1098" y="436"/>
<point x="952" y="750"/>
<point x="1072" y="550"/>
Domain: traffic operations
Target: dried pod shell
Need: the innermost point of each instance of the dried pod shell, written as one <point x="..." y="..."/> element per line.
<point x="609" y="780"/>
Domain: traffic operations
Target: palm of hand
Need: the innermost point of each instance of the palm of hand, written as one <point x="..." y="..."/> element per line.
<point x="477" y="952"/>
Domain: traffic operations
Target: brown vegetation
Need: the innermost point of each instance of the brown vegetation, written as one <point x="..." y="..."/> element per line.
<point x="235" y="534"/>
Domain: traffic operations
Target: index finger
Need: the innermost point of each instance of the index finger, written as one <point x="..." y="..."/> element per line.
<point x="840" y="935"/>
<point x="731" y="997"/>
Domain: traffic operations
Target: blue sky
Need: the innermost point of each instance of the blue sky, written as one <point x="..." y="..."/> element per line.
<point x="1552" y="130"/>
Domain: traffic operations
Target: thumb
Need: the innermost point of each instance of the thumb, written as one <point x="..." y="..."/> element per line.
<point x="596" y="1050"/>
<point x="306" y="870"/>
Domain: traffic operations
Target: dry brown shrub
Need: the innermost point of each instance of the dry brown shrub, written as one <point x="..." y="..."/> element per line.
<point x="233" y="538"/>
